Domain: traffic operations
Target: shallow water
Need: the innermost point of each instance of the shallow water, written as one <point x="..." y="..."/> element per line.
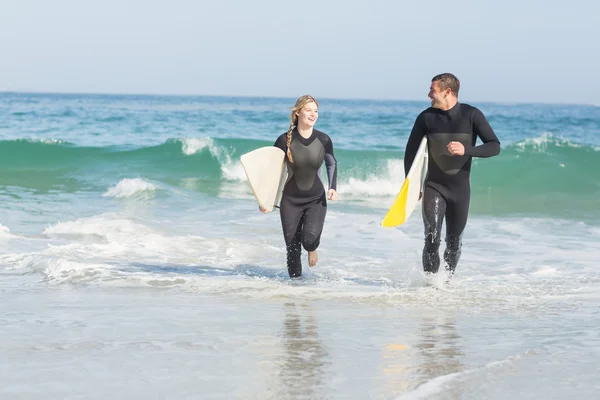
<point x="134" y="262"/>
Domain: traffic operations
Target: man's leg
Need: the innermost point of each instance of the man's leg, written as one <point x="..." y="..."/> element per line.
<point x="434" y="208"/>
<point x="456" y="221"/>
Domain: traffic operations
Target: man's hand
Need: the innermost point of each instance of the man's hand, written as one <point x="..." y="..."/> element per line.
<point x="456" y="148"/>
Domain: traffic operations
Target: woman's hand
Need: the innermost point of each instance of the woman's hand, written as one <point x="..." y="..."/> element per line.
<point x="332" y="194"/>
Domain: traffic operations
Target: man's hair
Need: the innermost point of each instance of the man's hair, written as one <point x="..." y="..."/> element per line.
<point x="447" y="80"/>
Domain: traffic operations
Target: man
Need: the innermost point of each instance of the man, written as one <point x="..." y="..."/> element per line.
<point x="451" y="129"/>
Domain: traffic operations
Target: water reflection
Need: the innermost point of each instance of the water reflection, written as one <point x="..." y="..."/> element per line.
<point x="439" y="346"/>
<point x="303" y="372"/>
<point x="437" y="352"/>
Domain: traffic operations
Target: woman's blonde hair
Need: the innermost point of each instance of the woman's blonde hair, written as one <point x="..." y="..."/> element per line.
<point x="301" y="102"/>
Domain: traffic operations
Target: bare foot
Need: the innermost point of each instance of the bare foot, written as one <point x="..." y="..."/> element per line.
<point x="313" y="257"/>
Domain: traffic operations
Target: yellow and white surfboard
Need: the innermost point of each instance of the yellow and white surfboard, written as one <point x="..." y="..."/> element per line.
<point x="408" y="198"/>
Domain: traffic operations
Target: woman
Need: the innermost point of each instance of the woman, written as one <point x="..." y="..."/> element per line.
<point x="304" y="201"/>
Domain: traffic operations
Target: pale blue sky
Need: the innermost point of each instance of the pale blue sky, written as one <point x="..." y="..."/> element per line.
<point x="506" y="51"/>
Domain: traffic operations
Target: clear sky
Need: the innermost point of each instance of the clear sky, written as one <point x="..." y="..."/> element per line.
<point x="502" y="50"/>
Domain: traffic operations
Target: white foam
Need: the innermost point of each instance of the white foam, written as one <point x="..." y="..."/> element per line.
<point x="387" y="184"/>
<point x="445" y="383"/>
<point x="245" y="256"/>
<point x="113" y="250"/>
<point x="546" y="271"/>
<point x="52" y="141"/>
<point x="45" y="141"/>
<point x="112" y="240"/>
<point x="130" y="188"/>
<point x="194" y="145"/>
<point x="63" y="270"/>
<point x="542" y="142"/>
<point x="233" y="171"/>
<point x="108" y="226"/>
<point x="4" y="232"/>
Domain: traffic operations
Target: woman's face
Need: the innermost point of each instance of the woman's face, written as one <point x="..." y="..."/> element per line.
<point x="308" y="115"/>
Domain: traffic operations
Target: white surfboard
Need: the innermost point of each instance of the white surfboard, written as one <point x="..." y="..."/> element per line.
<point x="267" y="174"/>
<point x="408" y="198"/>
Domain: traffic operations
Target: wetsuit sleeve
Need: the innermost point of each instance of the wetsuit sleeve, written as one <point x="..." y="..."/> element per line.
<point x="414" y="140"/>
<point x="330" y="162"/>
<point x="491" y="144"/>
<point x="281" y="142"/>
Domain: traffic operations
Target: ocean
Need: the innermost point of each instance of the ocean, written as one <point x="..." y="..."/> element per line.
<point x="134" y="262"/>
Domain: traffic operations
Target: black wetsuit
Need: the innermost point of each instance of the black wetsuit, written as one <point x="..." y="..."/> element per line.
<point x="447" y="190"/>
<point x="304" y="201"/>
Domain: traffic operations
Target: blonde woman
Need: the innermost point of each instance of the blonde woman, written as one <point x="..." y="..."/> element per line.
<point x="304" y="202"/>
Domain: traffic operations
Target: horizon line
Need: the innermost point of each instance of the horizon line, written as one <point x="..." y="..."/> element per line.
<point x="81" y="93"/>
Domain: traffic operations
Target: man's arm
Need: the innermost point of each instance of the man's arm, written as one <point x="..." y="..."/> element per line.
<point x="491" y="144"/>
<point x="414" y="140"/>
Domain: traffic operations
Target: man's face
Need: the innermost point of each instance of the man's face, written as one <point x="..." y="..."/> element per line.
<point x="436" y="95"/>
